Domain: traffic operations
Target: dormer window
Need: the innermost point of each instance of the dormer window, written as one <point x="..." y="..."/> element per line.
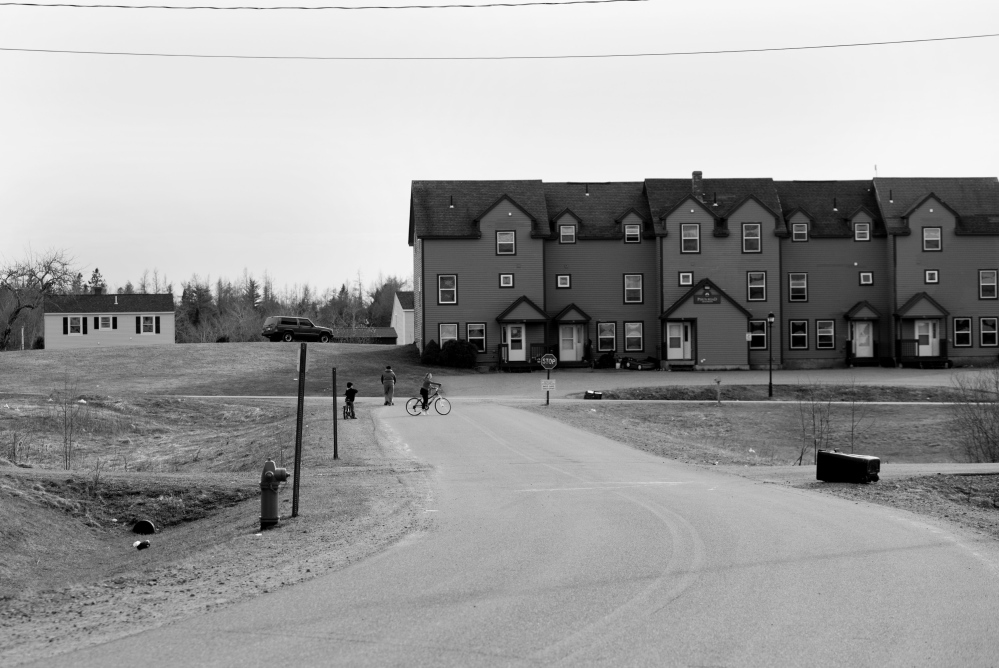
<point x="567" y="234"/>
<point x="632" y="234"/>
<point x="506" y="243"/>
<point x="862" y="232"/>
<point x="799" y="232"/>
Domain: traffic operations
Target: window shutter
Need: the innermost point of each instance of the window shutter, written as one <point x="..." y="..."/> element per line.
<point x="65" y="326"/>
<point x="157" y="324"/>
<point x="138" y="324"/>
<point x="83" y="321"/>
<point x="114" y="322"/>
<point x="97" y="323"/>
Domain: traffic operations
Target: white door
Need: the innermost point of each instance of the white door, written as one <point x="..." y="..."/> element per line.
<point x="927" y="338"/>
<point x="678" y="340"/>
<point x="863" y="341"/>
<point x="570" y="343"/>
<point x="515" y="343"/>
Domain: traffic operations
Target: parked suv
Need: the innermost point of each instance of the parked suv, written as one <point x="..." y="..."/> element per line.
<point x="286" y="328"/>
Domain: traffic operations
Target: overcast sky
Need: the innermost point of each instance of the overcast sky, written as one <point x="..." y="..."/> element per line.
<point x="302" y="168"/>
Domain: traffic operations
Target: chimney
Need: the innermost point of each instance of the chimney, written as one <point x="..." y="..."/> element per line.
<point x="697" y="186"/>
<point x="98" y="290"/>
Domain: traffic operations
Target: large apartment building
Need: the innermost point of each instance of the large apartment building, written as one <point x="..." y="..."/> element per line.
<point x="710" y="273"/>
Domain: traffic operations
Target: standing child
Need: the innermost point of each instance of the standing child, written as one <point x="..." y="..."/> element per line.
<point x="388" y="384"/>
<point x="350" y="394"/>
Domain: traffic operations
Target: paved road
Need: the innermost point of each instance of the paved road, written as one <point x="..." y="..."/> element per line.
<point x="546" y="545"/>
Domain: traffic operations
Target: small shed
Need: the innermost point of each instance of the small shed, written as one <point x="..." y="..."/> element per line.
<point x="383" y="335"/>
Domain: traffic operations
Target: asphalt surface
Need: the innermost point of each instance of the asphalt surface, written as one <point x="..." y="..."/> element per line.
<point x="546" y="545"/>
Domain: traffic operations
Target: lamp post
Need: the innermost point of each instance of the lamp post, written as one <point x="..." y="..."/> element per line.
<point x="770" y="345"/>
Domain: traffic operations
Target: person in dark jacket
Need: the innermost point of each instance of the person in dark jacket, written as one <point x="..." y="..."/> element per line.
<point x="388" y="384"/>
<point x="350" y="394"/>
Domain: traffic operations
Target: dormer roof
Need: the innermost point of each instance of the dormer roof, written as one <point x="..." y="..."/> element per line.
<point x="830" y="205"/>
<point x="452" y="209"/>
<point x="598" y="207"/>
<point x="719" y="196"/>
<point x="974" y="200"/>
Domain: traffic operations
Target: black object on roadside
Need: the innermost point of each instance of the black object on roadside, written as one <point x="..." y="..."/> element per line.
<point x="832" y="466"/>
<point x="593" y="394"/>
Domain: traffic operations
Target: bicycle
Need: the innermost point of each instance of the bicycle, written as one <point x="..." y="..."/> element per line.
<point x="440" y="403"/>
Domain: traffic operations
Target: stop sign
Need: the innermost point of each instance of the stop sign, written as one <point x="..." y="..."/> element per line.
<point x="548" y="361"/>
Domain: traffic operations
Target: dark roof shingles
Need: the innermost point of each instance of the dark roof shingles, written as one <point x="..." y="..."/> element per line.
<point x="975" y="199"/>
<point x="126" y="303"/>
<point x="830" y="203"/>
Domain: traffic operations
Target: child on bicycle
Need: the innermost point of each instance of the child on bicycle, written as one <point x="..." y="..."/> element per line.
<point x="428" y="384"/>
<point x="350" y="394"/>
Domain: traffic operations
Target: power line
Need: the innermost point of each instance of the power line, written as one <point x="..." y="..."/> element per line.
<point x="558" y="57"/>
<point x="494" y="4"/>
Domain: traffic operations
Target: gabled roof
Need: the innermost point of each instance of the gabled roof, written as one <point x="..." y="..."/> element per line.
<point x="405" y="298"/>
<point x="112" y="303"/>
<point x="523" y="310"/>
<point x="598" y="207"/>
<point x="974" y="199"/>
<point x="863" y="310"/>
<point x="721" y="196"/>
<point x="566" y="212"/>
<point x="831" y="205"/>
<point x="450" y="209"/>
<point x="704" y="282"/>
<point x="921" y="305"/>
<point x="571" y="313"/>
<point x="929" y="196"/>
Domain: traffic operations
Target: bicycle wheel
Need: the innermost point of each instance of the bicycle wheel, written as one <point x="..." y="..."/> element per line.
<point x="414" y="406"/>
<point x="443" y="405"/>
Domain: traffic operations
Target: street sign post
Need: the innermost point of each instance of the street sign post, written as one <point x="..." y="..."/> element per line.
<point x="548" y="361"/>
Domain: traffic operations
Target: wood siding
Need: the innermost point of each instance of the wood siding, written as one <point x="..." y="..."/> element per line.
<point x="833" y="266"/>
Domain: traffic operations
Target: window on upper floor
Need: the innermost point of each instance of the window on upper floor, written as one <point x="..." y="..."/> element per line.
<point x="825" y="334"/>
<point x="632" y="234"/>
<point x="567" y="234"/>
<point x="506" y="243"/>
<point x="632" y="288"/>
<point x="447" y="289"/>
<point x="751" y="240"/>
<point x="867" y="278"/>
<point x="690" y="238"/>
<point x="987" y="284"/>
<point x="799" y="232"/>
<point x="757" y="334"/>
<point x="633" y="339"/>
<point x="962" y="332"/>
<point x="756" y="286"/>
<point x="563" y="281"/>
<point x="931" y="276"/>
<point x="932" y="239"/>
<point x="798" y="333"/>
<point x="989" y="333"/>
<point x="506" y="280"/>
<point x="476" y="334"/>
<point x="862" y="232"/>
<point x="797" y="287"/>
<point x="686" y="278"/>
<point x="606" y="336"/>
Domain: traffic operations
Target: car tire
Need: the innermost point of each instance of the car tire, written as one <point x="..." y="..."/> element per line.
<point x="324" y="338"/>
<point x="288" y="338"/>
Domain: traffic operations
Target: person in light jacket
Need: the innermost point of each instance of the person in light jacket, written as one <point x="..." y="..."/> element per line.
<point x="388" y="384"/>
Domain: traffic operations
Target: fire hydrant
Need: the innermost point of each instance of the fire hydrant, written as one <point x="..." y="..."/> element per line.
<point x="270" y="480"/>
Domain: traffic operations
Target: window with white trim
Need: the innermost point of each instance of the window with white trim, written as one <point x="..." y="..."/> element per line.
<point x="475" y="332"/>
<point x="448" y="332"/>
<point x="932" y="240"/>
<point x="751" y="238"/>
<point x="757" y="334"/>
<point x="104" y="322"/>
<point x="987" y="284"/>
<point x="962" y="332"/>
<point x="506" y="280"/>
<point x="563" y="281"/>
<point x="148" y="324"/>
<point x="862" y="232"/>
<point x="867" y="278"/>
<point x="632" y="234"/>
<point x="686" y="278"/>
<point x="798" y="333"/>
<point x="506" y="243"/>
<point x="632" y="288"/>
<point x="690" y="238"/>
<point x="988" y="332"/>
<point x="931" y="276"/>
<point x="756" y="286"/>
<point x="799" y="232"/>
<point x="797" y="287"/>
<point x="606" y="336"/>
<point x="633" y="339"/>
<point x="447" y="289"/>
<point x="75" y="325"/>
<point x="825" y="334"/>
<point x="567" y="234"/>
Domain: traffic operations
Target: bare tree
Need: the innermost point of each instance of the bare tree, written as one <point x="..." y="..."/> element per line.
<point x="25" y="284"/>
<point x="977" y="414"/>
<point x="815" y="423"/>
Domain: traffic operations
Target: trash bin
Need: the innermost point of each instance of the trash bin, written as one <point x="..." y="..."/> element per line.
<point x="593" y="394"/>
<point x="833" y="466"/>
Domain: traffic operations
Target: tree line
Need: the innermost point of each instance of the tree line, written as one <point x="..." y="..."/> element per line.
<point x="206" y="310"/>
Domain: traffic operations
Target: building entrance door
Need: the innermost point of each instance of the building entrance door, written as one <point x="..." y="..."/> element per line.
<point x="927" y="338"/>
<point x="678" y="341"/>
<point x="514" y="335"/>
<point x="570" y="343"/>
<point x="863" y="341"/>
